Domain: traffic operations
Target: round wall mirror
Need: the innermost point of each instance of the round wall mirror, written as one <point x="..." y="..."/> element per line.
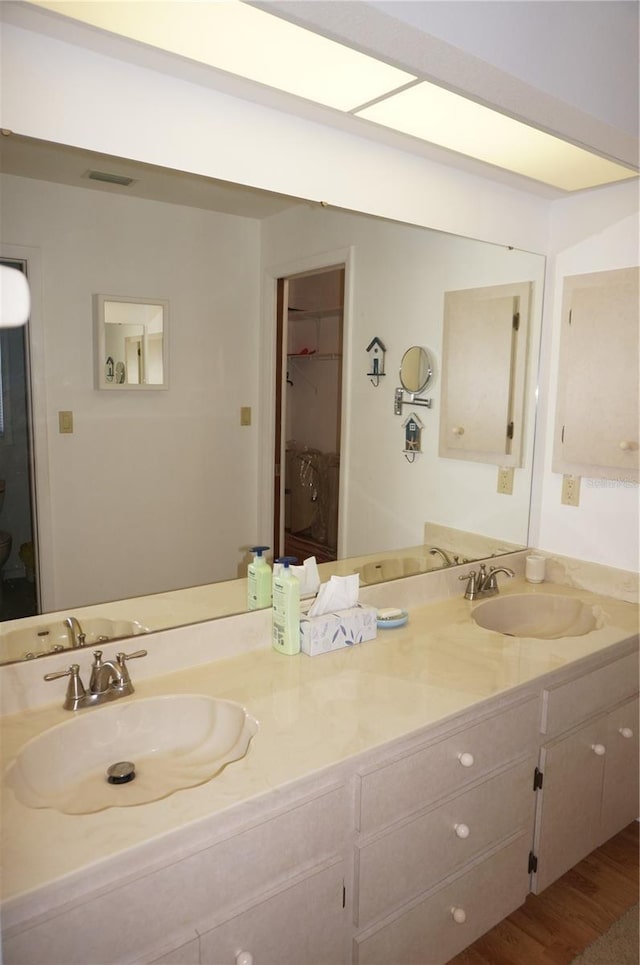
<point x="416" y="370"/>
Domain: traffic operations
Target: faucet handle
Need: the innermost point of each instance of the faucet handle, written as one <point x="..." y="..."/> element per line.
<point x="471" y="591"/>
<point x="121" y="657"/>
<point x="73" y="671"/>
<point x="75" y="689"/>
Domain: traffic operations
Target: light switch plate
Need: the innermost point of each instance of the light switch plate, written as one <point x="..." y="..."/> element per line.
<point x="245" y="415"/>
<point x="65" y="421"/>
<point x="571" y="490"/>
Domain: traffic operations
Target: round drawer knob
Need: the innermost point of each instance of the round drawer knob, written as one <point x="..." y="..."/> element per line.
<point x="466" y="759"/>
<point x="458" y="430"/>
<point x="627" y="446"/>
<point x="462" y="830"/>
<point x="626" y="732"/>
<point x="598" y="749"/>
<point x="244" y="958"/>
<point x="459" y="915"/>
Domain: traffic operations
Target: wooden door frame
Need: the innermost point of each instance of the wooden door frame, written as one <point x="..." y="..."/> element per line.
<point x="271" y="380"/>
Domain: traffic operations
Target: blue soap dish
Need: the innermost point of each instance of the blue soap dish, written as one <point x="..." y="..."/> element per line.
<point x="397" y="619"/>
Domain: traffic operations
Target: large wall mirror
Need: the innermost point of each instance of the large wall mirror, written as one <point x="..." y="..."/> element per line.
<point x="157" y="496"/>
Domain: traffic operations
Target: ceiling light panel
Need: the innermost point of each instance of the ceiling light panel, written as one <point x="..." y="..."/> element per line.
<point x="451" y="121"/>
<point x="248" y="42"/>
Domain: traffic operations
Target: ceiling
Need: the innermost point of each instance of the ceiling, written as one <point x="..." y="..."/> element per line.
<point x="29" y="158"/>
<point x="568" y="66"/>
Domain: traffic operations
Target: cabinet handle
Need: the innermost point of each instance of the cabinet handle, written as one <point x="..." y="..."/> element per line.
<point x="628" y="446"/>
<point x="462" y="830"/>
<point x="459" y="915"/>
<point x="244" y="958"/>
<point x="458" y="430"/>
<point x="598" y="749"/>
<point x="466" y="759"/>
<point x="626" y="732"/>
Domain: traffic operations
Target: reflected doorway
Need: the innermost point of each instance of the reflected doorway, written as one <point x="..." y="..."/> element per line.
<point x="308" y="413"/>
<point x="18" y="572"/>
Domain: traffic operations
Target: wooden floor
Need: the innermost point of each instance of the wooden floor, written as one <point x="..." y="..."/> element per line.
<point x="555" y="926"/>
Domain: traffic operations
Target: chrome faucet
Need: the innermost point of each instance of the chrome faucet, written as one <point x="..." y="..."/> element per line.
<point x="109" y="680"/>
<point x="485" y="582"/>
<point x="76" y="633"/>
<point x="444" y="556"/>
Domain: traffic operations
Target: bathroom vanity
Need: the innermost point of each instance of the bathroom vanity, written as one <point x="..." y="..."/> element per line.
<point x="399" y="799"/>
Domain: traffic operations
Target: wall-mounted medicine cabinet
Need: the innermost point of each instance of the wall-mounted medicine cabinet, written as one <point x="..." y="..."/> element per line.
<point x="131" y="342"/>
<point x="596" y="424"/>
<point x="484" y="357"/>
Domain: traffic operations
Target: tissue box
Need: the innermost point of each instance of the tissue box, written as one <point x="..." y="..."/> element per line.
<point x="343" y="628"/>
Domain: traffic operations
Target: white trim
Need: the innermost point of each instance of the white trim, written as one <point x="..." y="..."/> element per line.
<point x="41" y="502"/>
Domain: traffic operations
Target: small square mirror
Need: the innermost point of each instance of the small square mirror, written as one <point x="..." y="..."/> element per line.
<point x="131" y="342"/>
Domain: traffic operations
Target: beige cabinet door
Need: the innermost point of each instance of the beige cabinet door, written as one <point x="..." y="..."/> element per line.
<point x="483" y="366"/>
<point x="620" y="804"/>
<point x="305" y="923"/>
<point x="569" y="803"/>
<point x="597" y="429"/>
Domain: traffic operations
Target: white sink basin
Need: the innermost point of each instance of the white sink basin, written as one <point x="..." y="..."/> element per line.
<point x="542" y="616"/>
<point x="174" y="742"/>
<point x="393" y="568"/>
<point x="54" y="635"/>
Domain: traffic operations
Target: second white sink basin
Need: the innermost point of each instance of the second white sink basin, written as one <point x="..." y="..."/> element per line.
<point x="544" y="616"/>
<point x="393" y="568"/>
<point x="174" y="741"/>
<point x="54" y="635"/>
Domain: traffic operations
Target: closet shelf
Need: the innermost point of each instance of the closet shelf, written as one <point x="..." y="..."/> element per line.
<point x="316" y="356"/>
<point x="295" y="315"/>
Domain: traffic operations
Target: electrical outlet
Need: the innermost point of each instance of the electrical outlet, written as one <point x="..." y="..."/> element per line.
<point x="571" y="490"/>
<point x="505" y="480"/>
<point x="245" y="415"/>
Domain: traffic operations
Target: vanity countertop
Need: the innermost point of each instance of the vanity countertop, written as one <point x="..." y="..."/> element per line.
<point x="313" y="712"/>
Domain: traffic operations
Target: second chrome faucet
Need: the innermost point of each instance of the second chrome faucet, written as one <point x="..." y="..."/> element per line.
<point x="484" y="582"/>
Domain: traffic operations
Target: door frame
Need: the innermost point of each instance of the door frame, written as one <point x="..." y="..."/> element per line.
<point x="39" y="436"/>
<point x="274" y="367"/>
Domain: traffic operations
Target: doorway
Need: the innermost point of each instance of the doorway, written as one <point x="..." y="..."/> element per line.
<point x="18" y="572"/>
<point x="310" y="310"/>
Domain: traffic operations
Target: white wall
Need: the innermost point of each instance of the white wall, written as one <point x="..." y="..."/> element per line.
<point x="172" y="467"/>
<point x="597" y="231"/>
<point x="396" y="287"/>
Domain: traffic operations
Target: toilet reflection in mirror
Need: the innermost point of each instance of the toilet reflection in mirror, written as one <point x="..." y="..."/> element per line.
<point x="131" y="342"/>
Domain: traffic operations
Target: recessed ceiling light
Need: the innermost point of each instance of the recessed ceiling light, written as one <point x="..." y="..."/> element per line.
<point x="454" y="122"/>
<point x="251" y="43"/>
<point x="247" y="42"/>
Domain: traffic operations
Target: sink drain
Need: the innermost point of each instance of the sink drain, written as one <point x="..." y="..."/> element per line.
<point x="121" y="773"/>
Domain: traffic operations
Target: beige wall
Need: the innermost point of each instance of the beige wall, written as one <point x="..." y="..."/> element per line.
<point x="155" y="489"/>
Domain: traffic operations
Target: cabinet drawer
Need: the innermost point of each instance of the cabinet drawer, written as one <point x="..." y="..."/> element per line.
<point x="412" y="858"/>
<point x="435" y="771"/>
<point x="427" y="934"/>
<point x="570" y="703"/>
<point x="304" y="924"/>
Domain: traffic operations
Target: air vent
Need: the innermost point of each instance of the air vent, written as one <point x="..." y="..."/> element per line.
<point x="109" y="178"/>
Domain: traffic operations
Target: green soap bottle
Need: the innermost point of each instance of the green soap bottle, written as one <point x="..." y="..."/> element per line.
<point x="286" y="609"/>
<point x="258" y="580"/>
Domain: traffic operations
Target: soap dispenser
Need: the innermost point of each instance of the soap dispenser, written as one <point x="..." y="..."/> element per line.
<point x="258" y="580"/>
<point x="286" y="609"/>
